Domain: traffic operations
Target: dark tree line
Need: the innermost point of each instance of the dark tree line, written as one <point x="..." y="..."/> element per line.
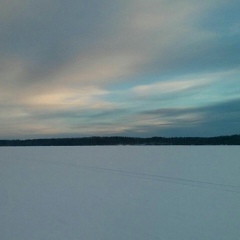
<point x="104" y="141"/>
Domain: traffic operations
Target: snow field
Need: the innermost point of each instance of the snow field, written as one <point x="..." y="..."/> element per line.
<point x="120" y="193"/>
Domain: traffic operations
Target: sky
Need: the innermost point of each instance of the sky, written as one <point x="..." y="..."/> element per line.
<point x="127" y="68"/>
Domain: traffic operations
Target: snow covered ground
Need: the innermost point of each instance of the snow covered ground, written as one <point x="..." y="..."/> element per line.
<point x="120" y="193"/>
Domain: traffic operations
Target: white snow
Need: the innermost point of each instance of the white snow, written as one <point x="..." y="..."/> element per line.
<point x="120" y="193"/>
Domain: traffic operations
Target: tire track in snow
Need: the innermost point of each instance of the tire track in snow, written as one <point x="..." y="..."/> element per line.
<point x="155" y="177"/>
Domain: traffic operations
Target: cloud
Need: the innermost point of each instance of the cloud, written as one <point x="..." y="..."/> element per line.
<point x="115" y="39"/>
<point x="168" y="87"/>
<point x="212" y="120"/>
<point x="175" y="41"/>
<point x="48" y="35"/>
<point x="193" y="90"/>
<point x="99" y="66"/>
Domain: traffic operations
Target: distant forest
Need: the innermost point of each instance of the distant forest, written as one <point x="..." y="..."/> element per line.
<point x="115" y="140"/>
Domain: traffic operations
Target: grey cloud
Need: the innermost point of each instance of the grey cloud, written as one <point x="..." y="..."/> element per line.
<point x="221" y="118"/>
<point x="75" y="114"/>
<point x="49" y="34"/>
<point x="213" y="112"/>
<point x="170" y="112"/>
<point x="206" y="39"/>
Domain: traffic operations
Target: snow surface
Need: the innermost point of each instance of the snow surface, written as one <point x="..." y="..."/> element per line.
<point x="120" y="193"/>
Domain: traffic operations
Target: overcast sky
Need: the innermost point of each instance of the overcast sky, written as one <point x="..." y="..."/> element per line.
<point x="131" y="67"/>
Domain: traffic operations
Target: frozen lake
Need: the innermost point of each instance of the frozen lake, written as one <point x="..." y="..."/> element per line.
<point x="120" y="193"/>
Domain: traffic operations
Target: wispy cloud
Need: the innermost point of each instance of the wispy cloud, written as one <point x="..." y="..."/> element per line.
<point x="168" y="87"/>
<point x="100" y="67"/>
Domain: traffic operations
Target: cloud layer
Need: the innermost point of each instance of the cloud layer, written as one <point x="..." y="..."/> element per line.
<point x="136" y="68"/>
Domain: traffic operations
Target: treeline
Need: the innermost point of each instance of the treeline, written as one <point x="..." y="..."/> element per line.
<point x="104" y="141"/>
